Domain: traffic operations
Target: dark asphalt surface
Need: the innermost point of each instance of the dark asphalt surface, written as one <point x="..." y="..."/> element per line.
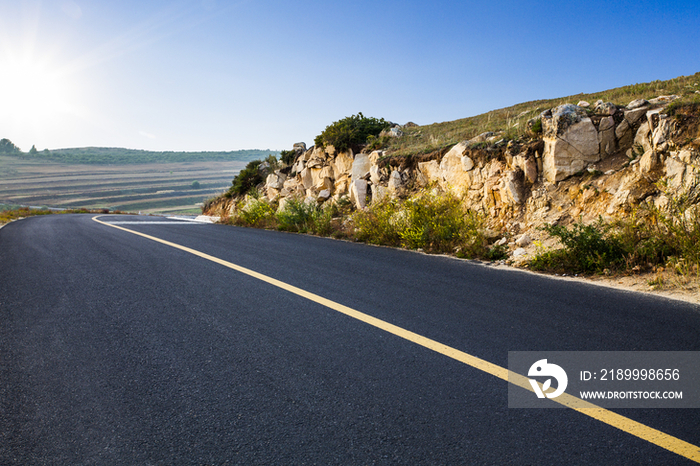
<point x="115" y="349"/>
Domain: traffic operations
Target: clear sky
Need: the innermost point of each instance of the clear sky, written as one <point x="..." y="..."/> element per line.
<point x="264" y="74"/>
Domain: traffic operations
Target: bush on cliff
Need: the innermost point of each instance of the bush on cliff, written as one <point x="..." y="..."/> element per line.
<point x="247" y="179"/>
<point x="351" y="131"/>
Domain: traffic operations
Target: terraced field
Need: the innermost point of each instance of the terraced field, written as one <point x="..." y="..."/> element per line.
<point x="148" y="188"/>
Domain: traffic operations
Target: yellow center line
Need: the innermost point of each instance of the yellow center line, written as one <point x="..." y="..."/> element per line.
<point x="623" y="423"/>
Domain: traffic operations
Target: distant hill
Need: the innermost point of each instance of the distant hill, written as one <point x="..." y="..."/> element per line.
<point x="119" y="156"/>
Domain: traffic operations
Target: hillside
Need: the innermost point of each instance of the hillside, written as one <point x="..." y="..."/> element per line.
<point x="150" y="188"/>
<point x="120" y="156"/>
<point x="571" y="185"/>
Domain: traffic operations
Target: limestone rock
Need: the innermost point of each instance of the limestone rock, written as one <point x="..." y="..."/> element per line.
<point x="375" y="156"/>
<point x="530" y="170"/>
<point x="379" y="192"/>
<point x="523" y="240"/>
<point x="568" y="151"/>
<point x="663" y="99"/>
<point x="429" y="172"/>
<point x="606" y="123"/>
<point x="648" y="161"/>
<point x="642" y="137"/>
<point x="395" y="183"/>
<point x="282" y="203"/>
<point x="358" y="193"/>
<point x="606" y="108"/>
<point x="623" y="134"/>
<point x="360" y="167"/>
<point x="342" y="185"/>
<point x="374" y="174"/>
<point x="330" y="150"/>
<point x="342" y="164"/>
<point x="511" y="187"/>
<point x="557" y="120"/>
<point x="275" y="180"/>
<point x="395" y="132"/>
<point x="306" y="178"/>
<point x="299" y="147"/>
<point x="661" y="134"/>
<point x="315" y="162"/>
<point x="467" y="163"/>
<point x="483" y="137"/>
<point x="674" y="171"/>
<point x="452" y="168"/>
<point x="632" y="116"/>
<point x="636" y="104"/>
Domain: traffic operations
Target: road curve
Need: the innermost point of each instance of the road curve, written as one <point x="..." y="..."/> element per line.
<point x="117" y="349"/>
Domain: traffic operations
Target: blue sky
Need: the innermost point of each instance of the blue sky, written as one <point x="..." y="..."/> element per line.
<point x="226" y="75"/>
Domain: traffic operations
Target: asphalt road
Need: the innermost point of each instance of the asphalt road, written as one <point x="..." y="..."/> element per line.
<point x="116" y="349"/>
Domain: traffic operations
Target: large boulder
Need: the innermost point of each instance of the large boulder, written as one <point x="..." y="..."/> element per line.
<point x="455" y="168"/>
<point x="360" y="167"/>
<point x="511" y="187"/>
<point x="429" y="172"/>
<point x="395" y="183"/>
<point x="342" y="164"/>
<point x="571" y="142"/>
<point x="606" y="136"/>
<point x="358" y="193"/>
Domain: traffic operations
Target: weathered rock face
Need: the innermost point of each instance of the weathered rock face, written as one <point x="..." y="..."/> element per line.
<point x="618" y="155"/>
<point x="571" y="142"/>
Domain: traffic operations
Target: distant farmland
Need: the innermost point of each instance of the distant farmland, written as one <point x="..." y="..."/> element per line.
<point x="149" y="188"/>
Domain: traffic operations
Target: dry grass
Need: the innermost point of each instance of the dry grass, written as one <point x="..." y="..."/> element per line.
<point x="511" y="121"/>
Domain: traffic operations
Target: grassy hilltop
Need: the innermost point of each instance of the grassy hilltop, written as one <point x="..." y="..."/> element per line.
<point x="512" y="120"/>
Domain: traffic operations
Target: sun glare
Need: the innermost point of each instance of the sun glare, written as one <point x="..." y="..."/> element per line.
<point x="35" y="89"/>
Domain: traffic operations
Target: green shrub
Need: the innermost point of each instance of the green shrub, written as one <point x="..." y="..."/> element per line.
<point x="7" y="147"/>
<point x="587" y="248"/>
<point x="380" y="223"/>
<point x="256" y="212"/>
<point x="272" y="163"/>
<point x="247" y="179"/>
<point x="351" y="131"/>
<point x="653" y="235"/>
<point x="287" y="157"/>
<point x="435" y="223"/>
<point x="302" y="217"/>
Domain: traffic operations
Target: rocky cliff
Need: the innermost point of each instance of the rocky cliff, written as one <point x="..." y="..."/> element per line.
<point x="579" y="162"/>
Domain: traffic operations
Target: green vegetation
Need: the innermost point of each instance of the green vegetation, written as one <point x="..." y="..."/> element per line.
<point x="287" y="156"/>
<point x="302" y="217"/>
<point x="247" y="179"/>
<point x="351" y="131"/>
<point x="587" y="248"/>
<point x="512" y="121"/>
<point x="7" y="148"/>
<point x="296" y="215"/>
<point x="434" y="222"/>
<point x="649" y="238"/>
